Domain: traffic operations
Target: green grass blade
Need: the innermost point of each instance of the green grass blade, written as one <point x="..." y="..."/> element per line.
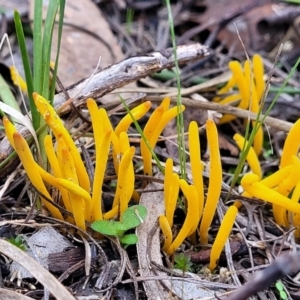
<point x="27" y="69"/>
<point x="60" y="28"/>
<point x="179" y="118"/>
<point x="47" y="43"/>
<point x="37" y="47"/>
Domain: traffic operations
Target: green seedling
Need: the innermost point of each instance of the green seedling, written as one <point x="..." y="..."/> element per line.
<point x="280" y="288"/>
<point x="18" y="242"/>
<point x="183" y="262"/>
<point x="131" y="218"/>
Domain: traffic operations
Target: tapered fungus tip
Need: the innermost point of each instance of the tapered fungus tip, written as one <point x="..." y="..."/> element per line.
<point x="248" y="179"/>
<point x="17" y="136"/>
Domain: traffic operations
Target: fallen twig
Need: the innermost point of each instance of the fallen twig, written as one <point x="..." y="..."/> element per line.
<point x="284" y="265"/>
<point x="109" y="79"/>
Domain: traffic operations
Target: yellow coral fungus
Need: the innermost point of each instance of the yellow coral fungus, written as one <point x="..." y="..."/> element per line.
<point x="125" y="186"/>
<point x="192" y="216"/>
<point x="53" y="161"/>
<point x="137" y="113"/>
<point x="17" y="79"/>
<point x="215" y="181"/>
<point x="28" y="162"/>
<point x="153" y="129"/>
<point x="148" y="131"/>
<point x="102" y="136"/>
<point x="291" y="145"/>
<point x="196" y="164"/>
<point x="251" y="158"/>
<point x="55" y="123"/>
<point x="222" y="236"/>
<point x="167" y="232"/>
<point x="251" y="184"/>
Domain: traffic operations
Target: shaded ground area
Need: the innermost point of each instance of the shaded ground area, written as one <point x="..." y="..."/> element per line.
<point x="114" y="38"/>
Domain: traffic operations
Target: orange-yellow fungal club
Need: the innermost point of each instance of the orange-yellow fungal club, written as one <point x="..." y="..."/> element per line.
<point x="56" y="125"/>
<point x="148" y="131"/>
<point x="166" y="118"/>
<point x="229" y="99"/>
<point x="74" y="188"/>
<point x="215" y="181"/>
<point x="251" y="158"/>
<point x="111" y="213"/>
<point x="107" y="124"/>
<point x="137" y="113"/>
<point x="78" y="207"/>
<point x="10" y="129"/>
<point x="291" y="145"/>
<point x="97" y="123"/>
<point x="284" y="188"/>
<point x="47" y="177"/>
<point x="189" y="192"/>
<point x="222" y="236"/>
<point x="251" y="184"/>
<point x="102" y="137"/>
<point x="17" y="79"/>
<point x="167" y="232"/>
<point x="228" y="86"/>
<point x="167" y="179"/>
<point x="125" y="184"/>
<point x="289" y="182"/>
<point x="254" y="106"/>
<point x="159" y="120"/>
<point x="190" y="219"/>
<point x="296" y="217"/>
<point x="81" y="202"/>
<point x="124" y="146"/>
<point x="28" y="162"/>
<point x="102" y="151"/>
<point x="55" y="167"/>
<point x="243" y="86"/>
<point x="165" y="104"/>
<point x="69" y="174"/>
<point x="274" y="179"/>
<point x="172" y="198"/>
<point x="196" y="164"/>
<point x="258" y="74"/>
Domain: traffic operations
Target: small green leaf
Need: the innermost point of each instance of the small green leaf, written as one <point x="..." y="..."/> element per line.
<point x="108" y="227"/>
<point x="134" y="216"/>
<point x="129" y="239"/>
<point x="279" y="286"/>
<point x="283" y="295"/>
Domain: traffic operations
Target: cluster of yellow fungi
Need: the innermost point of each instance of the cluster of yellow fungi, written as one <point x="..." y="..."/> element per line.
<point x="199" y="211"/>
<point x="83" y="198"/>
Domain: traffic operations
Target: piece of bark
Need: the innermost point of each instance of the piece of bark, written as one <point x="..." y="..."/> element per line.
<point x="62" y="261"/>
